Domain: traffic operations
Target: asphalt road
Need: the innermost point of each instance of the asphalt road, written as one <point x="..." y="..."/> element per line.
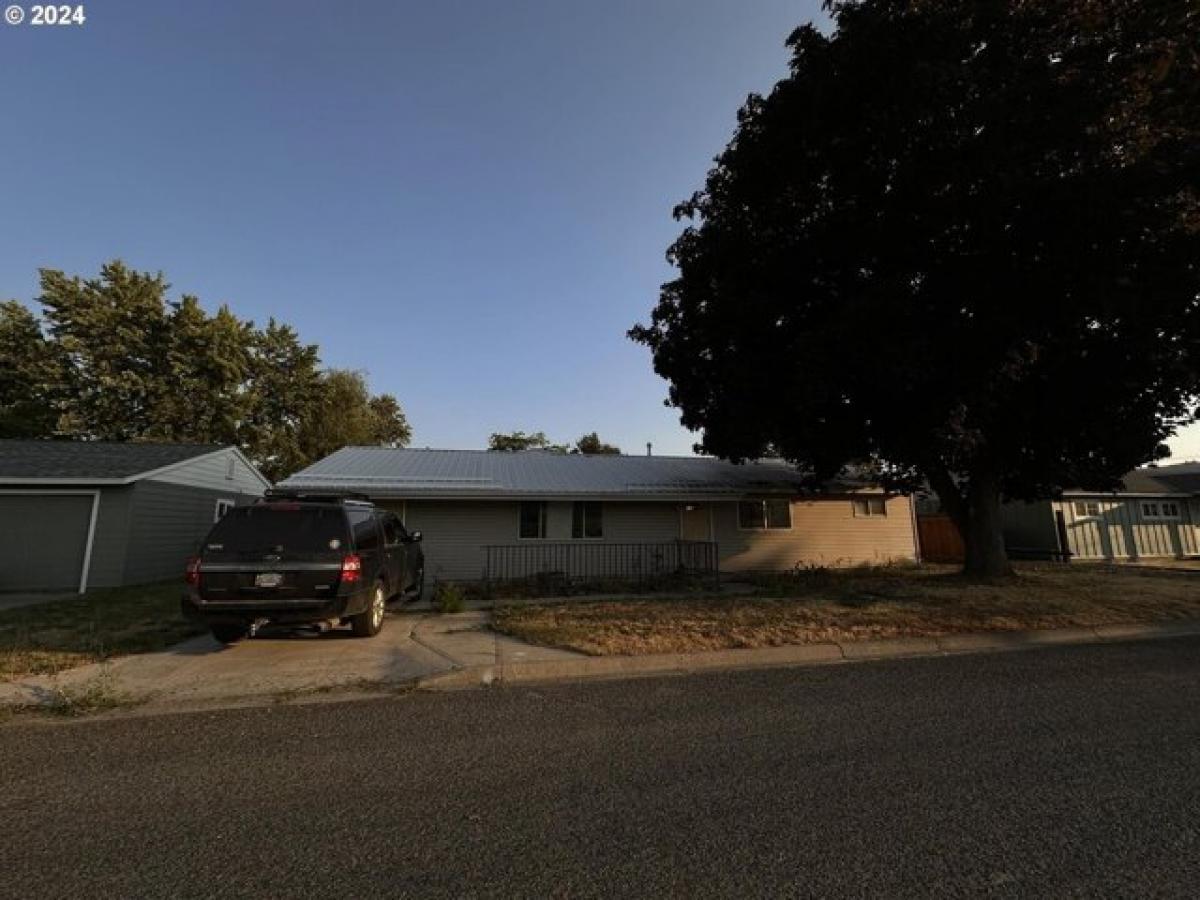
<point x="1067" y="772"/>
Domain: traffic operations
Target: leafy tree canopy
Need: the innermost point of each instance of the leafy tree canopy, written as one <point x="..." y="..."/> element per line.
<point x="30" y="372"/>
<point x="590" y="444"/>
<point x="961" y="241"/>
<point x="517" y="441"/>
<point x="120" y="361"/>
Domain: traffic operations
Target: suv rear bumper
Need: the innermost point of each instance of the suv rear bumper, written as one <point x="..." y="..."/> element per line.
<point x="283" y="612"/>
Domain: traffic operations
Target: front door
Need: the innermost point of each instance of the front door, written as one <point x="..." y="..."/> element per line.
<point x="695" y="522"/>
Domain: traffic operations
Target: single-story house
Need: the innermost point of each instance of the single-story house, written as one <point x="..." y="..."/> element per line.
<point x="1156" y="514"/>
<point x="537" y="511"/>
<point x="83" y="514"/>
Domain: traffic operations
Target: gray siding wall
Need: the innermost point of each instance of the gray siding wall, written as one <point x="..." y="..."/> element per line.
<point x="214" y="473"/>
<point x="823" y="532"/>
<point x="111" y="543"/>
<point x="167" y="523"/>
<point x="1118" y="530"/>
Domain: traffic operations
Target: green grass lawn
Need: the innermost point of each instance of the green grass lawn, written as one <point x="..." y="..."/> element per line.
<point x="856" y="604"/>
<point x="61" y="634"/>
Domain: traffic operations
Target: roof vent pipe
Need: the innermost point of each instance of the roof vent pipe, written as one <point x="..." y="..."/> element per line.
<point x="649" y="448"/>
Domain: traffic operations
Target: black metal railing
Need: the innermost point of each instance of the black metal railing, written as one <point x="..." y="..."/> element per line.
<point x="573" y="563"/>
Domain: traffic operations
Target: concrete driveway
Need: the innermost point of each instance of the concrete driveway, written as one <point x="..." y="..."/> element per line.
<point x="273" y="663"/>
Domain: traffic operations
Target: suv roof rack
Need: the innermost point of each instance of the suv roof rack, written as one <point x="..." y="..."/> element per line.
<point x="313" y="496"/>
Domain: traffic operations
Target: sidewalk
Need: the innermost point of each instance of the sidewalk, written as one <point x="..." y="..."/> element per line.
<point x="444" y="652"/>
<point x="272" y="666"/>
<point x="543" y="664"/>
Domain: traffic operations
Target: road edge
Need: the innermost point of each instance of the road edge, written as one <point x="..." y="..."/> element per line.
<point x="793" y="655"/>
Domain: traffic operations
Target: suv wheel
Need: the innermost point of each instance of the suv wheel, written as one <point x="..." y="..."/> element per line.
<point x="229" y="634"/>
<point x="369" y="622"/>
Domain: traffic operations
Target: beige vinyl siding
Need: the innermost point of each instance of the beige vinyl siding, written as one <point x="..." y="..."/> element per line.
<point x="824" y="532"/>
<point x="213" y="472"/>
<point x="1120" y="531"/>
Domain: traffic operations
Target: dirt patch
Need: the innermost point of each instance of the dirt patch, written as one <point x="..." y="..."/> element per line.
<point x="830" y="605"/>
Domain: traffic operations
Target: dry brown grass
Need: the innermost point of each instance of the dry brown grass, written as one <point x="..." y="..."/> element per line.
<point x="860" y="604"/>
<point x="49" y="637"/>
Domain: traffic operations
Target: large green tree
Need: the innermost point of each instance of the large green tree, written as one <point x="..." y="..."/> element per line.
<point x="30" y="372"/>
<point x="345" y="413"/>
<point x="112" y="332"/>
<point x="119" y="361"/>
<point x="959" y="243"/>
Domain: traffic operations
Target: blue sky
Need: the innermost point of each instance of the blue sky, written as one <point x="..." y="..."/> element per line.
<point x="468" y="201"/>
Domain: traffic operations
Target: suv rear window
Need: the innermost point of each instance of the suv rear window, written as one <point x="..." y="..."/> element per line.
<point x="290" y="528"/>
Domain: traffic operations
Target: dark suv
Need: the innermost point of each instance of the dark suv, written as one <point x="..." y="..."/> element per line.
<point x="302" y="559"/>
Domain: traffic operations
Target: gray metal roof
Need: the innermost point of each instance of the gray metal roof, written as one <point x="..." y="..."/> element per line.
<point x="86" y="460"/>
<point x="389" y="472"/>
<point x="1180" y="479"/>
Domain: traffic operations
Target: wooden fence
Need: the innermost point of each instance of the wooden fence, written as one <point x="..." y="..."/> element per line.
<point x="940" y="540"/>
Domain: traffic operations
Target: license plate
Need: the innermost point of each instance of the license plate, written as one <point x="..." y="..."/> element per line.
<point x="268" y="579"/>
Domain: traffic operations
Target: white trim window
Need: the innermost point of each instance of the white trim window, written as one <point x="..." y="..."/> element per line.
<point x="1160" y="509"/>
<point x="1085" y="508"/>
<point x="531" y="520"/>
<point x="587" y="520"/>
<point x="869" y="507"/>
<point x="223" y="506"/>
<point x="764" y="515"/>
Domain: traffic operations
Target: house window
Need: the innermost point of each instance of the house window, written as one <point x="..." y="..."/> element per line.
<point x="533" y="520"/>
<point x="222" y="507"/>
<point x="1087" y="508"/>
<point x="1167" y="509"/>
<point x="869" y="506"/>
<point x="587" y="520"/>
<point x="759" y="514"/>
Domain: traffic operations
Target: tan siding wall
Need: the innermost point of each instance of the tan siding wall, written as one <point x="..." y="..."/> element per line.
<point x="824" y="532"/>
<point x="1119" y="531"/>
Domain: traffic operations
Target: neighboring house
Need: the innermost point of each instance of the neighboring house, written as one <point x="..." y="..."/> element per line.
<point x="82" y="514"/>
<point x="1156" y="514"/>
<point x="757" y="517"/>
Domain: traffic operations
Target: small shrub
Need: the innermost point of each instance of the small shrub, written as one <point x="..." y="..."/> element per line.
<point x="448" y="598"/>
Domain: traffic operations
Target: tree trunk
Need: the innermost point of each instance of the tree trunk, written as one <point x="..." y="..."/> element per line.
<point x="983" y="532"/>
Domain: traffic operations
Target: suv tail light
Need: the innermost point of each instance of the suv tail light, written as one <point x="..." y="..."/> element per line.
<point x="191" y="571"/>
<point x="351" y="569"/>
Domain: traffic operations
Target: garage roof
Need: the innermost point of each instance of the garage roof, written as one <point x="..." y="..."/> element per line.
<point x="92" y="460"/>
<point x="1180" y="479"/>
<point x="391" y="472"/>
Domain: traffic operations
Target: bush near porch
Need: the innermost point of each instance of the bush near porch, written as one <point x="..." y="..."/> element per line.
<point x="822" y="605"/>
